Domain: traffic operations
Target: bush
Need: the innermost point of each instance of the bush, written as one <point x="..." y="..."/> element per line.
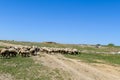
<point x="110" y="45"/>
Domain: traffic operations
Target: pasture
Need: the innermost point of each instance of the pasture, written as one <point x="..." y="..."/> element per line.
<point x="61" y="66"/>
<point x="113" y="59"/>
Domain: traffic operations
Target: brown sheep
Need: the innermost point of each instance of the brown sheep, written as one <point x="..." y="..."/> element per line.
<point x="34" y="50"/>
<point x="5" y="53"/>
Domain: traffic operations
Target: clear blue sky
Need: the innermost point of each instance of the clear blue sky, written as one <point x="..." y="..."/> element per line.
<point x="64" y="21"/>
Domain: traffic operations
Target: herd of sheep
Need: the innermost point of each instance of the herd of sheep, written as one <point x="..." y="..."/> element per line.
<point x="27" y="51"/>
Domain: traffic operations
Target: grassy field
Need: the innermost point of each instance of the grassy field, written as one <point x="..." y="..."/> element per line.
<point x="26" y="69"/>
<point x="109" y="58"/>
<point x="97" y="58"/>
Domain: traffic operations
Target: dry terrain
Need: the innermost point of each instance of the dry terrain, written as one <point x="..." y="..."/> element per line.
<point x="79" y="70"/>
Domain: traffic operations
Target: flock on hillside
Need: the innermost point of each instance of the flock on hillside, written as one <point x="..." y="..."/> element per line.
<point x="26" y="51"/>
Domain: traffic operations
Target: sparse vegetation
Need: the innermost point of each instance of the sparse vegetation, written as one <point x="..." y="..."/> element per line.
<point x="97" y="58"/>
<point x="26" y="69"/>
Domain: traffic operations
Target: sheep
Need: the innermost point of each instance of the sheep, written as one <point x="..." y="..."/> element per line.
<point x="24" y="53"/>
<point x="5" y="53"/>
<point x="13" y="52"/>
<point x="59" y="50"/>
<point x="27" y="51"/>
<point x="34" y="51"/>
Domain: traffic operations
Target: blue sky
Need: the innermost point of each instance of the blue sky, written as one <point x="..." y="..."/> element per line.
<point x="63" y="21"/>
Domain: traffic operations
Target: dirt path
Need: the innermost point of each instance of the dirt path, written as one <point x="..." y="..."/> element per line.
<point x="79" y="70"/>
<point x="6" y="77"/>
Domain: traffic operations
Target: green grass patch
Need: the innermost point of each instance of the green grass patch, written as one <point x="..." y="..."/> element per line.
<point x="97" y="58"/>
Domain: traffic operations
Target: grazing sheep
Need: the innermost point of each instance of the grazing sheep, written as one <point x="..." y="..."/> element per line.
<point x="27" y="51"/>
<point x="5" y="53"/>
<point x="24" y="53"/>
<point x="13" y="52"/>
<point x="59" y="50"/>
<point x="34" y="50"/>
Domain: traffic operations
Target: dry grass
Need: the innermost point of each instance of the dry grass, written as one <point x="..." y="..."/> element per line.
<point x="26" y="69"/>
